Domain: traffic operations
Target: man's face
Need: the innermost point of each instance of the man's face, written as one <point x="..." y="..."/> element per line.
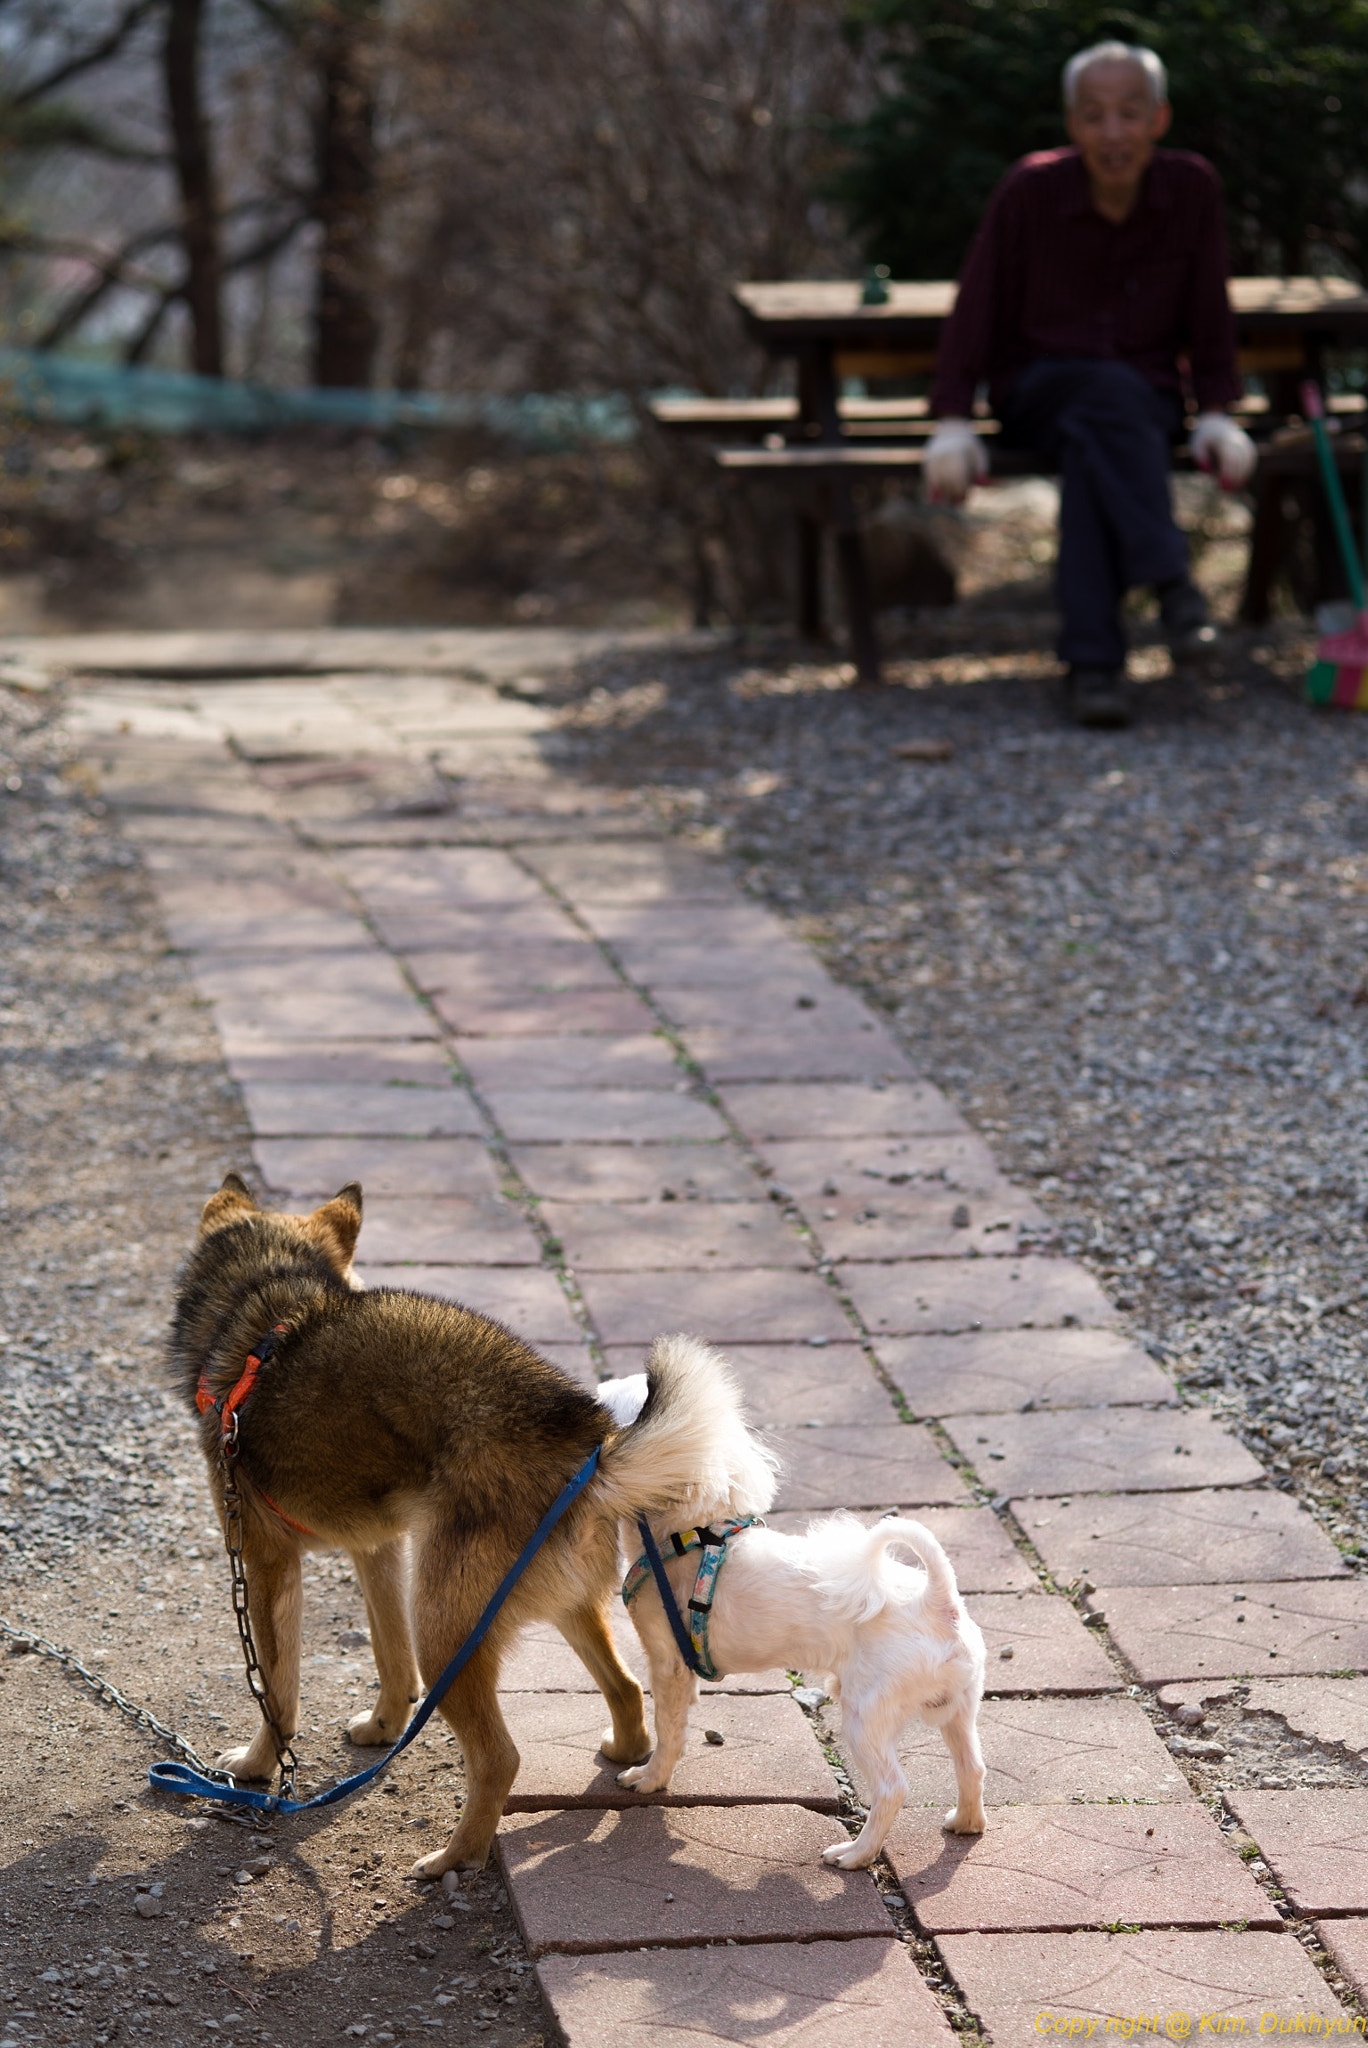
<point x="1116" y="121"/>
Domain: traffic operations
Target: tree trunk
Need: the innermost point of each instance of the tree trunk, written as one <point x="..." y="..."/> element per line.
<point x="190" y="136"/>
<point x="346" y="329"/>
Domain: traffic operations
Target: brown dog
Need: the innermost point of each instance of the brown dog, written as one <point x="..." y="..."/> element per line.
<point x="427" y="1441"/>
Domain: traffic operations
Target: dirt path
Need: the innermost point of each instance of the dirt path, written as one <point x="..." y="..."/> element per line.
<point x="118" y="1117"/>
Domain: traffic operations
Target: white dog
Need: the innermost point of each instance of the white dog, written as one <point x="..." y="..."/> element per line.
<point x="891" y="1642"/>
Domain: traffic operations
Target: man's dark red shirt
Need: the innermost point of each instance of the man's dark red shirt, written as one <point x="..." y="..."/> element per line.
<point x="1048" y="275"/>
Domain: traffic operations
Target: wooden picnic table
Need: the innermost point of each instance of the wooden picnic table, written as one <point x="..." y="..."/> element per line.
<point x="1285" y="328"/>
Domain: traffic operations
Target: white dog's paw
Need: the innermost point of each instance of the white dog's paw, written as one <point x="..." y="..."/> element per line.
<point x="368" y="1731"/>
<point x="972" y="1823"/>
<point x="848" y="1855"/>
<point x="642" y="1778"/>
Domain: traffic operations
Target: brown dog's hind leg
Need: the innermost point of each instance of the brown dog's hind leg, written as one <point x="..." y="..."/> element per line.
<point x="589" y="1636"/>
<point x="384" y="1578"/>
<point x="471" y="1706"/>
<point x="275" y="1602"/>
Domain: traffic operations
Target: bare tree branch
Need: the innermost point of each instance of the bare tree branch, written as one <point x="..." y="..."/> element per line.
<point x="100" y="52"/>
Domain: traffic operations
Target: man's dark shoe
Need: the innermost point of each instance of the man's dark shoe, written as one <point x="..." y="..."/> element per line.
<point x="1099" y="696"/>
<point x="1188" y="629"/>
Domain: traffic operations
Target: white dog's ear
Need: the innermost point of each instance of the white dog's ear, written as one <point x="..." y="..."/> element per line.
<point x="624" y="1399"/>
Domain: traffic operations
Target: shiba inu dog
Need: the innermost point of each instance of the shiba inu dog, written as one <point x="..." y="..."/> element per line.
<point x="427" y="1441"/>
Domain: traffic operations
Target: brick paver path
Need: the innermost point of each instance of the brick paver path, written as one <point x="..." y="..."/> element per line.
<point x="593" y="1089"/>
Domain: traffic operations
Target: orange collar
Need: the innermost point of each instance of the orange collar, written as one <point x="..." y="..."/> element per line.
<point x="228" y="1405"/>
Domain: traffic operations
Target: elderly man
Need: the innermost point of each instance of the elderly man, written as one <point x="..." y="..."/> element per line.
<point x="1097" y="273"/>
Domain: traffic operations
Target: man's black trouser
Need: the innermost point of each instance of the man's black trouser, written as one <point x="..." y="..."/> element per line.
<point x="1108" y="432"/>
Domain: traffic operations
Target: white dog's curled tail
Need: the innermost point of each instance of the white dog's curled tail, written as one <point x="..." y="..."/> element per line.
<point x="942" y="1587"/>
<point x="688" y="1451"/>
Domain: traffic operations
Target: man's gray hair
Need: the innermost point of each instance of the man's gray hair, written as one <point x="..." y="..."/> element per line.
<point x="1117" y="53"/>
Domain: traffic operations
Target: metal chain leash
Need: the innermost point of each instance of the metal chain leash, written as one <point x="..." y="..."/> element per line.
<point x="112" y="1697"/>
<point x="256" y="1680"/>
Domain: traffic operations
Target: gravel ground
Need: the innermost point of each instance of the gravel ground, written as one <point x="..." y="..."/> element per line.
<point x="116" y="1119"/>
<point x="1136" y="959"/>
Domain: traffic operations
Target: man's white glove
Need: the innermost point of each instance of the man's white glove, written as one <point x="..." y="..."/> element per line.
<point x="955" y="460"/>
<point x="1218" y="445"/>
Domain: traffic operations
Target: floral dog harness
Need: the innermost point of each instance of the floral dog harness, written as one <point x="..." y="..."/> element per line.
<point x="712" y="1543"/>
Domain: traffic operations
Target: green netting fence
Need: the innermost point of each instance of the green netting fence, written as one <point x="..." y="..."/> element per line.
<point x="39" y="385"/>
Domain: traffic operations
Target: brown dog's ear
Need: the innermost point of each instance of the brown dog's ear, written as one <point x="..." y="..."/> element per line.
<point x="338" y="1223"/>
<point x="234" y="1199"/>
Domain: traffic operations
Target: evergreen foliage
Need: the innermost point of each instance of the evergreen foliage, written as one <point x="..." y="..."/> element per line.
<point x="1274" y="92"/>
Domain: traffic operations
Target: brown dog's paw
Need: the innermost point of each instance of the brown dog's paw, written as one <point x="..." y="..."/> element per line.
<point x="635" y="1749"/>
<point x="443" y="1860"/>
<point x="246" y="1765"/>
<point x="368" y="1731"/>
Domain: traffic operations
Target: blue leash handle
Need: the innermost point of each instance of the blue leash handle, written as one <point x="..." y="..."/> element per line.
<point x="174" y="1777"/>
<point x="667" y="1600"/>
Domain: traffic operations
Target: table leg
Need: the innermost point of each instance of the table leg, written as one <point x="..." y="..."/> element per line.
<point x="1265" y="550"/>
<point x="809" y="532"/>
<point x="824" y="398"/>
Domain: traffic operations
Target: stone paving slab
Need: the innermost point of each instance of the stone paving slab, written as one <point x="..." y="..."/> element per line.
<point x="1200" y="1539"/>
<point x="280" y="1109"/>
<point x="639" y="1061"/>
<point x="640" y="1115"/>
<point x="1014" y="1982"/>
<point x="301" y="1012"/>
<point x="850" y="1109"/>
<point x="1315" y="1843"/>
<point x="208" y="931"/>
<point x="486" y="932"/>
<point x="1037" y="1643"/>
<point x="588" y="1882"/>
<point x="570" y="1011"/>
<point x="947" y="1295"/>
<point x="924" y="1226"/>
<point x="1003" y="1370"/>
<point x="669" y="963"/>
<point x="1051" y="1868"/>
<point x="1195" y="1632"/>
<point x="651" y="871"/>
<point x="983" y="1555"/>
<point x="631" y="1173"/>
<point x="861" y="1466"/>
<point x="1047" y="1752"/>
<point x="820" y="1994"/>
<point x="607" y="1237"/>
<point x="465" y="876"/>
<point x="1329" y="1710"/>
<point x="744" y="1005"/>
<point x="528" y="1299"/>
<point x="755" y="1307"/>
<point x="793" y="1384"/>
<point x="1144" y="1450"/>
<point x="356" y="1061"/>
<point x="541" y="1661"/>
<point x="1347" y="1943"/>
<point x="736" y="922"/>
<point x="434" y="1229"/>
<point x="344" y="973"/>
<point x="384" y="1166"/>
<point x="768" y="1754"/>
<point x="783" y="1053"/>
<point x="818" y="1171"/>
<point x="488" y="967"/>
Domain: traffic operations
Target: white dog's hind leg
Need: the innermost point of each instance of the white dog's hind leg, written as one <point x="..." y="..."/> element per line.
<point x="966" y="1816"/>
<point x="672" y="1691"/>
<point x="874" y="1753"/>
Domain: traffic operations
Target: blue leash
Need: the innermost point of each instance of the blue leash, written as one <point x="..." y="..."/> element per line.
<point x="173" y="1777"/>
<point x="667" y="1601"/>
